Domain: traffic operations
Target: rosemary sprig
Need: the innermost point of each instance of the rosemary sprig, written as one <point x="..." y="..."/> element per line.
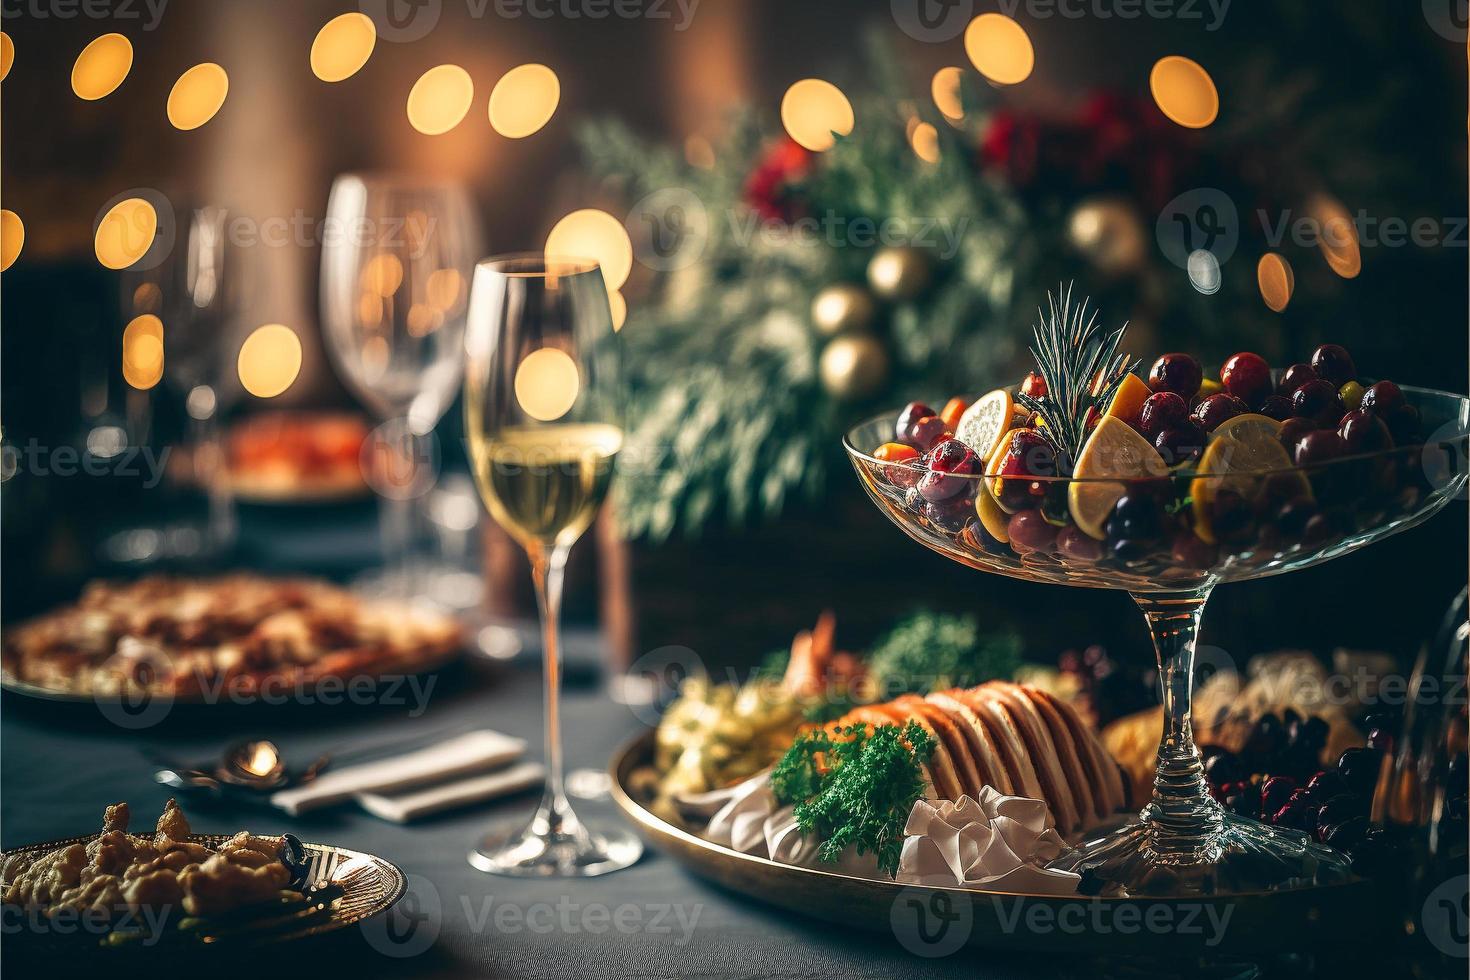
<point x="1082" y="368"/>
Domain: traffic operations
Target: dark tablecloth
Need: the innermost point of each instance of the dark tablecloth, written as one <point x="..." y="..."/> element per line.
<point x="62" y="764"/>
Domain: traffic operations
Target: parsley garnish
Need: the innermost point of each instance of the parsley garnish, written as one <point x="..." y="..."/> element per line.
<point x="854" y="787"/>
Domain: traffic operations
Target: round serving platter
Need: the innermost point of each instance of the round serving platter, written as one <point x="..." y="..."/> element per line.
<point x="933" y="919"/>
<point x="342" y="887"/>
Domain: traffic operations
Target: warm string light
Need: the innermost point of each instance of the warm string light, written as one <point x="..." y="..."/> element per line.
<point x="1184" y="91"/>
<point x="7" y="54"/>
<point x="547" y="384"/>
<point x="142" y="352"/>
<point x="813" y="111"/>
<point x="1337" y="235"/>
<point x="1000" y="49"/>
<point x="1276" y="280"/>
<point x="618" y="304"/>
<point x="125" y="233"/>
<point x="102" y="66"/>
<point x="440" y="99"/>
<point x="524" y="100"/>
<point x="343" y="46"/>
<point x="945" y="88"/>
<point x="197" y="96"/>
<point x="593" y="234"/>
<point x="270" y="360"/>
<point x="12" y="238"/>
<point x="924" y="138"/>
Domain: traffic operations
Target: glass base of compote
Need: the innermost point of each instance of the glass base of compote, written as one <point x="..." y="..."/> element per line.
<point x="555" y="844"/>
<point x="1237" y="854"/>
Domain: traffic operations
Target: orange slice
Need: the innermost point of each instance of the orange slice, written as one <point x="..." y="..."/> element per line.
<point x="985" y="422"/>
<point x="1127" y="403"/>
<point x="1113" y="455"/>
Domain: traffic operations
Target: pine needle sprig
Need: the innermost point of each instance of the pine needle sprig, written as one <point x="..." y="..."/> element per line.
<point x="1082" y="368"/>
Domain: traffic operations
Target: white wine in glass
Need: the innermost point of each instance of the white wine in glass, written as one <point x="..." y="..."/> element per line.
<point x="543" y="410"/>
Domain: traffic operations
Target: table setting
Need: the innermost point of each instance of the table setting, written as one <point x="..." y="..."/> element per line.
<point x="501" y="491"/>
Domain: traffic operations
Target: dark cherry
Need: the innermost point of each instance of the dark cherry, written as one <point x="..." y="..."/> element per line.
<point x="1181" y="443"/>
<point x="1264" y="740"/>
<point x="1382" y="398"/>
<point x="1294" y="377"/>
<point x="903" y="429"/>
<point x="1318" y="446"/>
<point x="1326" y="784"/>
<point x="1135" y="516"/>
<point x="1193" y="551"/>
<point x="1293" y="429"/>
<point x="982" y="540"/>
<point x="1380" y="739"/>
<point x="1292" y="518"/>
<point x="1078" y="545"/>
<point x="1219" y="407"/>
<point x="1347" y="835"/>
<point x="1027" y="455"/>
<point x="1178" y="373"/>
<point x="1163" y="410"/>
<point x="1030" y="531"/>
<point x="952" y="513"/>
<point x="1319" y="401"/>
<point x="1034" y="385"/>
<point x="1276" y="792"/>
<point x="1130" y="549"/>
<point x="1359" y="768"/>
<point x="1297" y="814"/>
<point x="1276" y="407"/>
<point x="1232" y="518"/>
<point x="1222" y="766"/>
<point x="1333" y="363"/>
<point x="949" y="464"/>
<point x="1247" y="376"/>
<point x="1319" y="531"/>
<point x="1364" y="432"/>
<point x="928" y="432"/>
<point x="1403" y="424"/>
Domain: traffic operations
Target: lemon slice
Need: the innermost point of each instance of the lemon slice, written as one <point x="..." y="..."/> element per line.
<point x="985" y="422"/>
<point x="991" y="514"/>
<point x="1114" y="452"/>
<point x="1240" y="450"/>
<point x="1127" y="403"/>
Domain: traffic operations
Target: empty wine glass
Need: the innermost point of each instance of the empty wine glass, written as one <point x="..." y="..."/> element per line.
<point x="543" y="410"/>
<point x="396" y="257"/>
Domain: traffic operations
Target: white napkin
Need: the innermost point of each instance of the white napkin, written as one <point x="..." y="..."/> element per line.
<point x="472" y="752"/>
<point x="997" y="842"/>
<point x="401" y="808"/>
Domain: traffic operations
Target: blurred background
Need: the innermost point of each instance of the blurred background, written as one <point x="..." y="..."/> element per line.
<point x="738" y="519"/>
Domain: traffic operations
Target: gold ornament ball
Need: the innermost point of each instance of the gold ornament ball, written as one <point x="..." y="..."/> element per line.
<point x="842" y="308"/>
<point x="1109" y="234"/>
<point x="899" y="273"/>
<point x="853" y="367"/>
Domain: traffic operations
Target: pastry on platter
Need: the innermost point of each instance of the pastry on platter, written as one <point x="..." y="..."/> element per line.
<point x="188" y="638"/>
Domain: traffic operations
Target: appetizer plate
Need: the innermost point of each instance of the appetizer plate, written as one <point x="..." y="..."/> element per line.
<point x="342" y="887"/>
<point x="933" y="920"/>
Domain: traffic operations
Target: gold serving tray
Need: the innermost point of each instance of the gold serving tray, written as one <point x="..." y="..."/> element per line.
<point x="932" y="921"/>
<point x="342" y="887"/>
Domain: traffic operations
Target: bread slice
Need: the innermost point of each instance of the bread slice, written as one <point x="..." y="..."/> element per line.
<point x="1035" y="734"/>
<point x="1007" y="740"/>
<point x="1109" y="795"/>
<point x="988" y="760"/>
<point x="953" y="737"/>
<point x="1068" y="757"/>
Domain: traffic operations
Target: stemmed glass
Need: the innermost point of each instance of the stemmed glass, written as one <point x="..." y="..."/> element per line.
<point x="396" y="256"/>
<point x="543" y="410"/>
<point x="1184" y="842"/>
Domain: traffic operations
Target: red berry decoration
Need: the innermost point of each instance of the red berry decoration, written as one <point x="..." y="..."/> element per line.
<point x="1247" y="376"/>
<point x="1383" y="399"/>
<point x="1321" y="446"/>
<point x="1333" y="363"/>
<point x="949" y="463"/>
<point x="1276" y="407"/>
<point x="903" y="429"/>
<point x="1030" y="531"/>
<point x="1219" y="407"/>
<point x="1293" y="429"/>
<point x="1178" y="373"/>
<point x="1161" y="411"/>
<point x="928" y="432"/>
<point x="1294" y="377"/>
<point x="1319" y="401"/>
<point x="1034" y="386"/>
<point x="1364" y="432"/>
<point x="1181" y="444"/>
<point x="1077" y="545"/>
<point x="1027" y="455"/>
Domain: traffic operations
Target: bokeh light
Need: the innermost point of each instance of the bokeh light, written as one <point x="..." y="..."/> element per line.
<point x="382" y="274"/>
<point x="439" y="99"/>
<point x="1337" y="235"/>
<point x="343" y="46"/>
<point x="7" y="54"/>
<point x="125" y="233"/>
<point x="101" y="67"/>
<point x="619" y="306"/>
<point x="593" y="234"/>
<point x="197" y="96"/>
<point x="813" y="110"/>
<point x="524" y="100"/>
<point x="945" y="88"/>
<point x="12" y="238"/>
<point x="547" y="384"/>
<point x="1000" y="49"/>
<point x="1184" y="91"/>
<point x="925" y="140"/>
<point x="1204" y="271"/>
<point x="270" y="360"/>
<point x="445" y="289"/>
<point x="1276" y="279"/>
<point x="142" y="352"/>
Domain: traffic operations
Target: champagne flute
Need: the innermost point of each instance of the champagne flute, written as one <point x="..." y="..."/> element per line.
<point x="544" y="416"/>
<point x="395" y="260"/>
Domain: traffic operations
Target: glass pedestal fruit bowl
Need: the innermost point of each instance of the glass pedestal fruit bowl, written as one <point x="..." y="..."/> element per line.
<point x="1168" y="538"/>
